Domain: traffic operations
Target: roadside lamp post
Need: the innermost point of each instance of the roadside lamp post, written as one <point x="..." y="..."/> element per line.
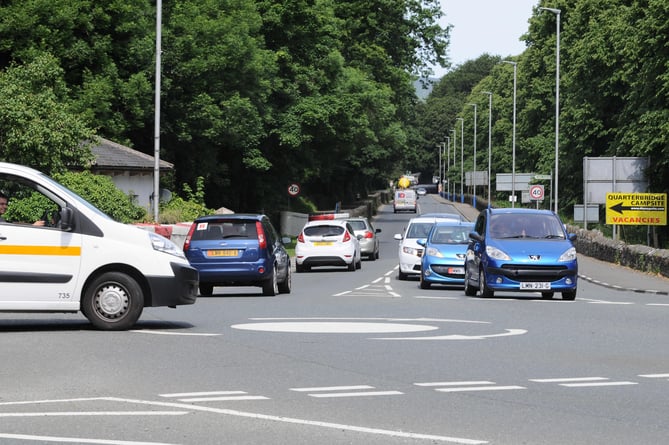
<point x="557" y="97"/>
<point x="439" y="150"/>
<point x="448" y="152"/>
<point x="449" y="169"/>
<point x="513" y="149"/>
<point x="462" y="154"/>
<point x="489" y="142"/>
<point x="474" y="172"/>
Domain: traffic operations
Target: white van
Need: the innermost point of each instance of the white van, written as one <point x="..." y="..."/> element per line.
<point x="405" y="199"/>
<point x="82" y="260"/>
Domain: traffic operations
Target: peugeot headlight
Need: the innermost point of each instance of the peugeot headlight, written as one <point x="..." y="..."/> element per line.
<point x="496" y="254"/>
<point x="431" y="251"/>
<point x="162" y="244"/>
<point x="569" y="255"/>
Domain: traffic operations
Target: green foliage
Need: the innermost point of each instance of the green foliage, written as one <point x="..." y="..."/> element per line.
<point x="37" y="126"/>
<point x="100" y="191"/>
<point x="28" y="208"/>
<point x="179" y="209"/>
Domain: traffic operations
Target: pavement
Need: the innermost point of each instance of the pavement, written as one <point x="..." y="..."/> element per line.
<point x="599" y="272"/>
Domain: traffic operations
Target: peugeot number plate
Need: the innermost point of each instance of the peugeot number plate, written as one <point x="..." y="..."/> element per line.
<point x="535" y="286"/>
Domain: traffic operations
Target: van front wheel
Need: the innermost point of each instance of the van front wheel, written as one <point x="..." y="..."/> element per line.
<point x="113" y="302"/>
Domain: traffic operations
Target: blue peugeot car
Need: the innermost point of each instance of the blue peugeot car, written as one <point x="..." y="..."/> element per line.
<point x="443" y="260"/>
<point x="520" y="250"/>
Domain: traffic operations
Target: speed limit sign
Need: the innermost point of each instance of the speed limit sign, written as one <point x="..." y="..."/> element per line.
<point x="294" y="189"/>
<point x="537" y="192"/>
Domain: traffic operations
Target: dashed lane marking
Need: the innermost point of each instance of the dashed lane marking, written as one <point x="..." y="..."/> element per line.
<point x="584" y="382"/>
<point x="344" y="391"/>
<point x="468" y="386"/>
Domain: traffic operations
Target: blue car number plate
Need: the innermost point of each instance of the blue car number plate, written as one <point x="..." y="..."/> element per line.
<point x="535" y="286"/>
<point x="223" y="252"/>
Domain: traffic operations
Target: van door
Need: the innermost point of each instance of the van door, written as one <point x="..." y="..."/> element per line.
<point x="39" y="267"/>
<point x="39" y="261"/>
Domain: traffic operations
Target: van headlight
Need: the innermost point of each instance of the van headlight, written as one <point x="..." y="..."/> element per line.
<point x="162" y="244"/>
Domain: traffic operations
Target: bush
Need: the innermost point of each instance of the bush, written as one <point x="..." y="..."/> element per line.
<point x="101" y="191"/>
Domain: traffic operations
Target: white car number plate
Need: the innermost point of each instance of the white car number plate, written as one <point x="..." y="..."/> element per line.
<point x="535" y="286"/>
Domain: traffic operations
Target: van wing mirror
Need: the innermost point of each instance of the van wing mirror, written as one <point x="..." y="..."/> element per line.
<point x="66" y="219"/>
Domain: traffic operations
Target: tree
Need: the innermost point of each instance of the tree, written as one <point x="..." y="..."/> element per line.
<point x="37" y="125"/>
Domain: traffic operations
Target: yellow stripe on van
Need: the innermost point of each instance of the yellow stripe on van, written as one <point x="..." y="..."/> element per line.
<point x="41" y="250"/>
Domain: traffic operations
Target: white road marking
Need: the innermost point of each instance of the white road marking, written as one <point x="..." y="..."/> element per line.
<point x="94" y="413"/>
<point x="331" y="388"/>
<point x="356" y="394"/>
<point x="342" y="293"/>
<point x="192" y="334"/>
<point x="224" y="399"/>
<point x="202" y="394"/>
<point x="471" y="382"/>
<point x="362" y="287"/>
<point x="654" y="376"/>
<point x="657" y="304"/>
<point x="78" y="440"/>
<point x="327" y="391"/>
<point x="338" y="327"/>
<point x="569" y="379"/>
<point x="479" y="388"/>
<point x="467" y="386"/>
<point x="582" y="385"/>
<point x="583" y="382"/>
<point x="377" y="280"/>
<point x="593" y="301"/>
<point x="509" y="332"/>
<point x="331" y="425"/>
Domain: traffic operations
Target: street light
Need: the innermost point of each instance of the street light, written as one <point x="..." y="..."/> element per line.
<point x="439" y="148"/>
<point x="474" y="173"/>
<point x="448" y="142"/>
<point x="489" y="141"/>
<point x="449" y="169"/>
<point x="557" y="97"/>
<point x="513" y="144"/>
<point x="462" y="154"/>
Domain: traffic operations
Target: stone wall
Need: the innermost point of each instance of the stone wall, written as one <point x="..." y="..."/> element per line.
<point x="647" y="259"/>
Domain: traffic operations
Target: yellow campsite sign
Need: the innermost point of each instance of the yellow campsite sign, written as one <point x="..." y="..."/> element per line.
<point x="646" y="209"/>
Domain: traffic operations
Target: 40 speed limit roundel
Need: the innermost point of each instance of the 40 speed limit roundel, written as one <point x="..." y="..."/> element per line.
<point x="294" y="189"/>
<point x="537" y="192"/>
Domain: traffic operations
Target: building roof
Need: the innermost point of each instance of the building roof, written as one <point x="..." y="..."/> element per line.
<point x="112" y="156"/>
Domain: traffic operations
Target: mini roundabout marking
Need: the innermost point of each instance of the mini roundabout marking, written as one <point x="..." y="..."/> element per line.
<point x="370" y="326"/>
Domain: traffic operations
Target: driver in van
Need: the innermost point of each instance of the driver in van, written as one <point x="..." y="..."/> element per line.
<point x="4" y="201"/>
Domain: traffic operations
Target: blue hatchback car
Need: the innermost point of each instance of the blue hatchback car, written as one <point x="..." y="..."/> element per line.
<point x="521" y="250"/>
<point x="238" y="250"/>
<point x="443" y="260"/>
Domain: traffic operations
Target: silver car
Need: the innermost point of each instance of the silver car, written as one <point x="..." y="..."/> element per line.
<point x="369" y="243"/>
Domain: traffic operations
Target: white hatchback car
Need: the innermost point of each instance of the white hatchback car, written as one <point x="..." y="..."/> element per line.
<point x="410" y="252"/>
<point x="327" y="243"/>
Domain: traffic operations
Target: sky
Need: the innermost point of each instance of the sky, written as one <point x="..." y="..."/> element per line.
<point x="485" y="26"/>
